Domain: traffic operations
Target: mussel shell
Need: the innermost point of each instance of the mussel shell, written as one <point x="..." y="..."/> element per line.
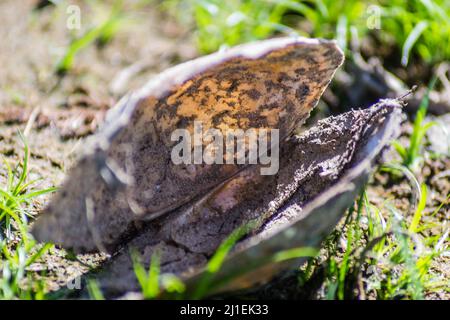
<point x="126" y="173"/>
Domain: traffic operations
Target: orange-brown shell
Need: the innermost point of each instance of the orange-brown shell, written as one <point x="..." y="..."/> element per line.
<point x="275" y="90"/>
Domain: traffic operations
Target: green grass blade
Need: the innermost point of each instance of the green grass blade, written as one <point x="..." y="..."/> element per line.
<point x="419" y="210"/>
<point x="94" y="290"/>
<point x="37" y="193"/>
<point x="412" y="38"/>
<point x="44" y="249"/>
<point x="295" y="253"/>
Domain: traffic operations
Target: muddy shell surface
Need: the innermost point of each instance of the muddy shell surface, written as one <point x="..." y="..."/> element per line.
<point x="126" y="175"/>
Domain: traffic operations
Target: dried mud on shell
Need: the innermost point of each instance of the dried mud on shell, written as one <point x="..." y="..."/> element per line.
<point x="272" y="84"/>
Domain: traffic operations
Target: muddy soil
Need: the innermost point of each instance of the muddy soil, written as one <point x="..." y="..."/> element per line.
<point x="57" y="112"/>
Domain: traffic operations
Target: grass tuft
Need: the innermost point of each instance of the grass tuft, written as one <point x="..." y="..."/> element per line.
<point x="16" y="195"/>
<point x="17" y="248"/>
<point x="411" y="155"/>
<point x="419" y="28"/>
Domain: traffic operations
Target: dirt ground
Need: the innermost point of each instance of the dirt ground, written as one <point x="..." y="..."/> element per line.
<point x="58" y="112"/>
<point x="67" y="109"/>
